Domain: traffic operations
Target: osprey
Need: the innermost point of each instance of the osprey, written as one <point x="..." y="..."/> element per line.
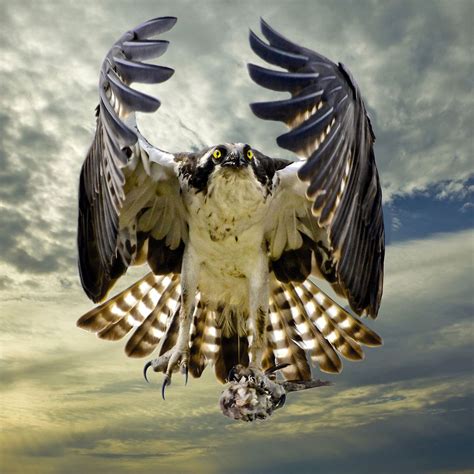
<point x="232" y="236"/>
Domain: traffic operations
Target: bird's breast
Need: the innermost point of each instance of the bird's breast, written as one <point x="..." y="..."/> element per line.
<point x="233" y="204"/>
<point x="226" y="234"/>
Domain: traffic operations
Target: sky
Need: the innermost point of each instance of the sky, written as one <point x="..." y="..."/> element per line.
<point x="70" y="402"/>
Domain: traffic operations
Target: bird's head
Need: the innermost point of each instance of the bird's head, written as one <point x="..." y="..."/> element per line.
<point x="234" y="156"/>
<point x="231" y="163"/>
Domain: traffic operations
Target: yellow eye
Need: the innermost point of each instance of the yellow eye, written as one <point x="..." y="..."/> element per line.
<point x="249" y="154"/>
<point x="217" y="154"/>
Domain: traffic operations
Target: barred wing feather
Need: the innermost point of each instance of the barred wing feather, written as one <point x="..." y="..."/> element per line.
<point x="331" y="131"/>
<point x="116" y="163"/>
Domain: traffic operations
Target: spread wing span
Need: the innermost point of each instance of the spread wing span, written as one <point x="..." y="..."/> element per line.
<point x="121" y="171"/>
<point x="331" y="131"/>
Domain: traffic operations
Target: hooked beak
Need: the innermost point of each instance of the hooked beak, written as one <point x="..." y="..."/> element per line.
<point x="234" y="160"/>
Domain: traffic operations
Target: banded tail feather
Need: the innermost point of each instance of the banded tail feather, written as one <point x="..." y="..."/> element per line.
<point x="148" y="335"/>
<point x="205" y="340"/>
<point x="324" y="328"/>
<point x="171" y="334"/>
<point x="318" y="325"/>
<point x="333" y="312"/>
<point x="285" y="338"/>
<point x="153" y="296"/>
<point x="322" y="353"/>
<point x="197" y="360"/>
<point x="333" y="334"/>
<point x="302" y="319"/>
<point x="118" y="307"/>
<point x="146" y="305"/>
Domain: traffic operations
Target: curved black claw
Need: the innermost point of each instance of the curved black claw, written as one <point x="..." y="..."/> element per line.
<point x="147" y="366"/>
<point x="166" y="382"/>
<point x="275" y="368"/>
<point x="281" y="401"/>
<point x="186" y="374"/>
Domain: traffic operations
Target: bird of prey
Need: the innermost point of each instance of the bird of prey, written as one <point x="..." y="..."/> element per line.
<point x="235" y="239"/>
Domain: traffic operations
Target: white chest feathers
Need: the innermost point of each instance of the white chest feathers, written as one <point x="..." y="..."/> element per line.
<point x="226" y="236"/>
<point x="233" y="203"/>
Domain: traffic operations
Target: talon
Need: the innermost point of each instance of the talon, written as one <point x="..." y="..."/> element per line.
<point x="275" y="368"/>
<point x="166" y="382"/>
<point x="147" y="366"/>
<point x="281" y="401"/>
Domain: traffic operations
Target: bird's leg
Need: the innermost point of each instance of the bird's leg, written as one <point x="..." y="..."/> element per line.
<point x="258" y="312"/>
<point x="177" y="357"/>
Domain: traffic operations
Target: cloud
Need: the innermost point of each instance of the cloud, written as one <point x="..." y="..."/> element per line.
<point x="458" y="189"/>
<point x="441" y="207"/>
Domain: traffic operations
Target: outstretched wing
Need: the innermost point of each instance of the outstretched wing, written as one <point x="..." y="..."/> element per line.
<point x="330" y="129"/>
<point x="121" y="176"/>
